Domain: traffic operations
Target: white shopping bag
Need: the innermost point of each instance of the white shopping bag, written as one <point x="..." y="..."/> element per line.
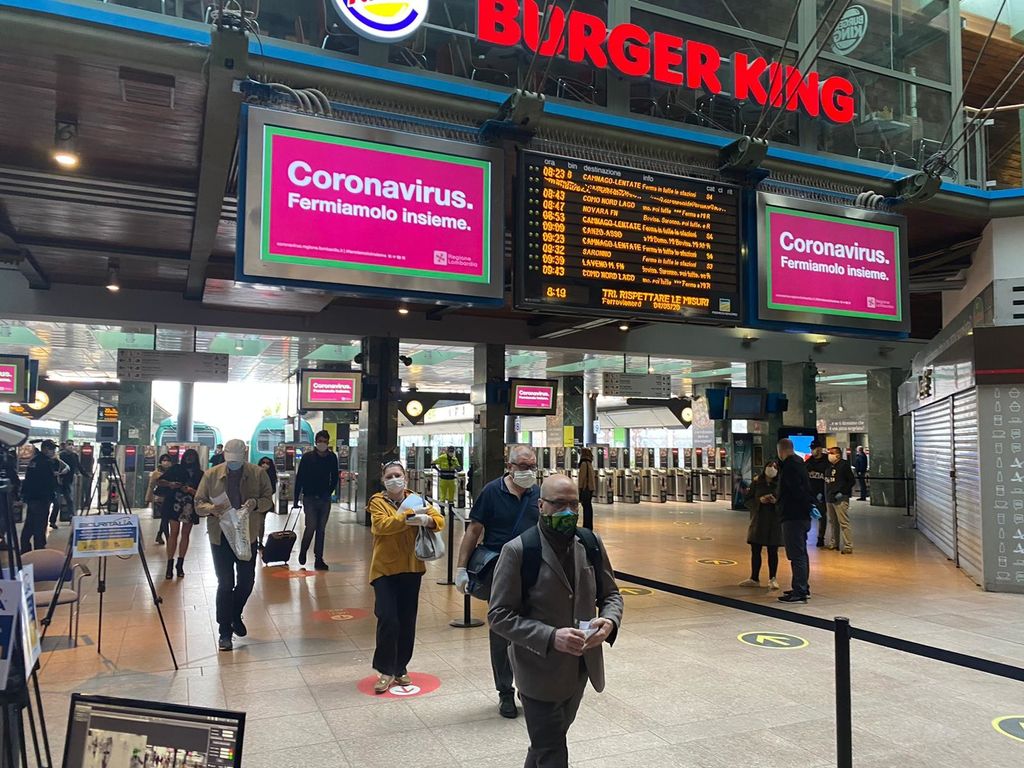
<point x="234" y="525"/>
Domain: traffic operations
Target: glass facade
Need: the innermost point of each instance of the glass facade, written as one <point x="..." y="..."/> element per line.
<point x="901" y="57"/>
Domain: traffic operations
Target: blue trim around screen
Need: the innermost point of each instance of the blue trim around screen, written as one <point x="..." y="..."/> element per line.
<point x="99" y="13"/>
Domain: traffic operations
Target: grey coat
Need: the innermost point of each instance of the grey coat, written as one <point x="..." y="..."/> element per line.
<point x="540" y="671"/>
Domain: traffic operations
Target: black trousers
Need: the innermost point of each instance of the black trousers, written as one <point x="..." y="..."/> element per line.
<point x="862" y="481"/>
<point x="501" y="665"/>
<point x="36" y="512"/>
<point x="587" y="502"/>
<point x="397" y="601"/>
<point x="317" y="509"/>
<point x="235" y="579"/>
<point x="66" y="498"/>
<point x="794" y="533"/>
<point x="548" y="723"/>
<point x="755" y="561"/>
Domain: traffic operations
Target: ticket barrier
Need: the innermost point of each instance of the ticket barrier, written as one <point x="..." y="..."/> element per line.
<point x="285" y="491"/>
<point x="605" y="487"/>
<point x="348" y="488"/>
<point x="652" y="486"/>
<point x="680" y="485"/>
<point x="129" y="463"/>
<point x="416" y="480"/>
<point x="627" y="486"/>
<point x="460" y="490"/>
<point x="706" y="485"/>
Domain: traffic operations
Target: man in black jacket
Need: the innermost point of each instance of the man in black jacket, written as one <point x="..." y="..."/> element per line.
<point x="860" y="466"/>
<point x="67" y="481"/>
<point x="795" y="501"/>
<point x="314" y="484"/>
<point x="839" y="490"/>
<point x="817" y="471"/>
<point x="38" y="491"/>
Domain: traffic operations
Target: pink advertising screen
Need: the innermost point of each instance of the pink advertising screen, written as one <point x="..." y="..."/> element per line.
<point x="13" y="378"/>
<point x="821" y="267"/>
<point x="325" y="390"/>
<point x="532" y="396"/>
<point x="376" y="210"/>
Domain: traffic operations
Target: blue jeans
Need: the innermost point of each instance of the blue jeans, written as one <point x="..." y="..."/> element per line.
<point x="794" y="533"/>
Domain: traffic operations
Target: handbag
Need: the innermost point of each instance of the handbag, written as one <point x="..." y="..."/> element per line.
<point x="482" y="562"/>
<point x="429" y="545"/>
<point x="234" y="525"/>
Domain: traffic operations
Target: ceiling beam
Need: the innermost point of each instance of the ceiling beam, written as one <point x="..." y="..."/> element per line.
<point x="229" y="52"/>
<point x="14" y="252"/>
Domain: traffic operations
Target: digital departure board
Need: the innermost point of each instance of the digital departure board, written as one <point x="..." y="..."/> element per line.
<point x="603" y="240"/>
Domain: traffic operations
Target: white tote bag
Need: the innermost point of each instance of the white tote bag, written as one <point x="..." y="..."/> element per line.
<point x="234" y="525"/>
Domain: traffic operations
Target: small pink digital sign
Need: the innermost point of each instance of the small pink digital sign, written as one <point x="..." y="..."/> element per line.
<point x="8" y="379"/>
<point x="533" y="398"/>
<point x="329" y="391"/>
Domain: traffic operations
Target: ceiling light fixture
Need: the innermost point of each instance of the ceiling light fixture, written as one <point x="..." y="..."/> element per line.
<point x="113" y="277"/>
<point x="239" y="346"/>
<point x="403" y="311"/>
<point x="65" y="139"/>
<point x="624" y="327"/>
<point x="841" y="406"/>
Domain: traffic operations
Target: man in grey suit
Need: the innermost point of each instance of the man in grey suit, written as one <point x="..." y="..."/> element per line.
<point x="556" y="641"/>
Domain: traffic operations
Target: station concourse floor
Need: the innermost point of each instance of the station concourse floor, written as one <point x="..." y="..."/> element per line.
<point x="682" y="689"/>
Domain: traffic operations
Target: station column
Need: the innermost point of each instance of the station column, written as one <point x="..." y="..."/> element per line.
<point x="488" y="419"/>
<point x="135" y="408"/>
<point x="186" y="421"/>
<point x="378" y="419"/>
<point x="887" y="437"/>
<point x="799" y="382"/>
<point x="589" y="417"/>
<point x="767" y="374"/>
<point x="573" y="411"/>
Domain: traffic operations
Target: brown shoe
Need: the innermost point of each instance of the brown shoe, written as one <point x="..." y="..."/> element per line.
<point x="384" y="682"/>
<point x="403" y="680"/>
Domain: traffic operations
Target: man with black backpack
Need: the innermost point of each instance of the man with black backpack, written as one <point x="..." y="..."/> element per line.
<point x="795" y="499"/>
<point x="506" y="507"/>
<point x="554" y="598"/>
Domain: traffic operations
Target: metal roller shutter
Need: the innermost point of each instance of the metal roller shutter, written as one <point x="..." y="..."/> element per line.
<point x="933" y="460"/>
<point x="968" y="485"/>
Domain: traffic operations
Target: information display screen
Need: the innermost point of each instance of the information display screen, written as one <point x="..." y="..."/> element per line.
<point x="603" y="240"/>
<point x="532" y="397"/>
<point x="328" y="391"/>
<point x="368" y="211"/>
<point x="13" y="378"/>
<point x="821" y="264"/>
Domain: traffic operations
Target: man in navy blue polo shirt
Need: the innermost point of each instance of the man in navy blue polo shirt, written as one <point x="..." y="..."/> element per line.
<point x="504" y="509"/>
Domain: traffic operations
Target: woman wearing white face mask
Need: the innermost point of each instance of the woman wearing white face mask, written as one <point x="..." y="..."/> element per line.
<point x="395" y="574"/>
<point x="765" y="526"/>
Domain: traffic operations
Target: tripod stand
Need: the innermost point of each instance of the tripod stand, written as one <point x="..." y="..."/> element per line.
<point x="16" y="699"/>
<point x="116" y="504"/>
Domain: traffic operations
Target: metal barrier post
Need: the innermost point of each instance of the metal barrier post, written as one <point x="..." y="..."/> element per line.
<point x="467" y="621"/>
<point x="451" y="549"/>
<point x="844" y="706"/>
<point x="906" y="494"/>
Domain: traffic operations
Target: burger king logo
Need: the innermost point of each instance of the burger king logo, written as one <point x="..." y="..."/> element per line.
<point x="383" y="20"/>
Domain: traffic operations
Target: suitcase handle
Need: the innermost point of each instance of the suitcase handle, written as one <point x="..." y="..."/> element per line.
<point x="297" y="511"/>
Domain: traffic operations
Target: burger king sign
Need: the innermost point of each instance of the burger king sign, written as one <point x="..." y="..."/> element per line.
<point x="385" y="21"/>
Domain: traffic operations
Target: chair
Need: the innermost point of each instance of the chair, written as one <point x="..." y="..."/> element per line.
<point x="46" y="569"/>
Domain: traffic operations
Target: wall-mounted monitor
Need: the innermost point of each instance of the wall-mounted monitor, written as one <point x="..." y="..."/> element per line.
<point x="368" y="211"/>
<point x="747" y="403"/>
<point x="825" y="267"/>
<point x="330" y="390"/>
<point x="14" y="375"/>
<point x="532" y="397"/>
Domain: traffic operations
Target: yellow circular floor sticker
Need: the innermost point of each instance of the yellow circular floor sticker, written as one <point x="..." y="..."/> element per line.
<point x="1012" y="726"/>
<point x="776" y="640"/>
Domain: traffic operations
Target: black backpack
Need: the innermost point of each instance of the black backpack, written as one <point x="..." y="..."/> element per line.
<point x="532" y="557"/>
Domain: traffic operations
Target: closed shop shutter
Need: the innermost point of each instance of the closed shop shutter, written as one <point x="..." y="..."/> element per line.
<point x="933" y="460"/>
<point x="967" y="484"/>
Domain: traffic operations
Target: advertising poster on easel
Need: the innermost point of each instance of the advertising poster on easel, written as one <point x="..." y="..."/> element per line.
<point x="10" y="608"/>
<point x="105" y="535"/>
<point x="29" y="619"/>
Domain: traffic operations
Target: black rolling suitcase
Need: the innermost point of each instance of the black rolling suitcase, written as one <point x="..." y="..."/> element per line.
<point x="278" y="546"/>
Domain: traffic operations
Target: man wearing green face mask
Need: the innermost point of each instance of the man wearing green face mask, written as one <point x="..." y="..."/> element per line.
<point x="557" y="610"/>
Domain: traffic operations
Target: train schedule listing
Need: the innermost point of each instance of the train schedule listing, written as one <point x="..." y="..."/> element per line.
<point x="606" y="240"/>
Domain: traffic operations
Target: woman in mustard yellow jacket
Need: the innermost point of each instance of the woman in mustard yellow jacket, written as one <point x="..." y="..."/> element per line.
<point x="395" y="574"/>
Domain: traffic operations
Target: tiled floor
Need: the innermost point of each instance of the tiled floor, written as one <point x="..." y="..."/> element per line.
<point x="682" y="690"/>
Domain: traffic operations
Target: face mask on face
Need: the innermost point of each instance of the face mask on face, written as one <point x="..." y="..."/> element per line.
<point x="395" y="484"/>
<point x="833" y="458"/>
<point x="563" y="522"/>
<point x="526" y="479"/>
<point x="321" y="447"/>
<point x="771" y="472"/>
<point x="234" y="466"/>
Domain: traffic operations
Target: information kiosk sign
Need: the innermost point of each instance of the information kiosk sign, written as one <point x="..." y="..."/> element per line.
<point x="364" y="210"/>
<point x="602" y="240"/>
<point x="822" y="265"/>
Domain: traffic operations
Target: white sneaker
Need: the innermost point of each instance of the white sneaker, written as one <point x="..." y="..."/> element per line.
<point x="750" y="583"/>
<point x="773" y="585"/>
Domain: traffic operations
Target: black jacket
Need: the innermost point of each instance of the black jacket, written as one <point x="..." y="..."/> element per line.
<point x="40" y="479"/>
<point x="795" y="497"/>
<point x="817" y="471"/>
<point x="317" y="475"/>
<point x="840" y="480"/>
<point x="860" y="463"/>
<point x="74" y="464"/>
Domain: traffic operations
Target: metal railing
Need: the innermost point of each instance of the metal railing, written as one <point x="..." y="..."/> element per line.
<point x="843" y="632"/>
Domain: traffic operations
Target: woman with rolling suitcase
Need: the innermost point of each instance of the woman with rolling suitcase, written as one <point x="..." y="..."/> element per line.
<point x="396" y="572"/>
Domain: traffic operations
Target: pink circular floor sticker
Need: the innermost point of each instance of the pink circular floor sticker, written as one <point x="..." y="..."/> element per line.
<point x="289" y="574"/>
<point x="340" y="614"/>
<point x="421" y="684"/>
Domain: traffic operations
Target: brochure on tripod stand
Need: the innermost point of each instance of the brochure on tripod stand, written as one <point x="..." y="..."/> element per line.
<point x="11" y="596"/>
<point x="29" y="621"/>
